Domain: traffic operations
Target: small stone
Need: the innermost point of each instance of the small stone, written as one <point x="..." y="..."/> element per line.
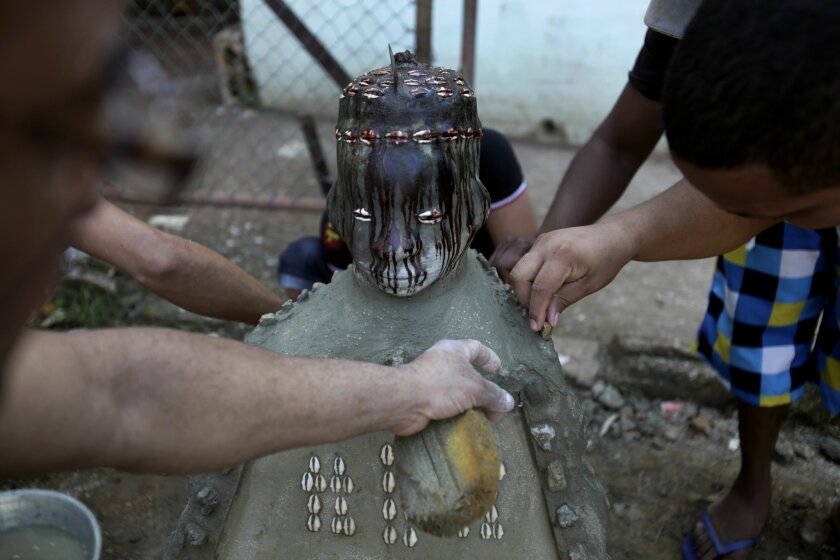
<point x="804" y="451"/>
<point x="268" y="319"/>
<point x="589" y="407"/>
<point x="208" y="499"/>
<point x="566" y="516"/>
<point x="813" y="532"/>
<point x="555" y="476"/>
<point x="651" y="424"/>
<point x="611" y="398"/>
<point x="195" y="535"/>
<point x="689" y="409"/>
<point x="545" y="331"/>
<point x="784" y="453"/>
<point x="672" y="433"/>
<point x="734" y="444"/>
<point x="598" y="388"/>
<point x="701" y="424"/>
<point x="830" y="447"/>
<point x="631" y="435"/>
<point x="620" y="509"/>
<point x="543" y="434"/>
<point x="626" y="420"/>
<point x="535" y="391"/>
<point x="639" y="404"/>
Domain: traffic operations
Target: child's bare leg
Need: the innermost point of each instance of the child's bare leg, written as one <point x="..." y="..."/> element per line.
<point x="742" y="512"/>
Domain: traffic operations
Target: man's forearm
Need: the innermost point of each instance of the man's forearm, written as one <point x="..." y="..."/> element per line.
<point x="186" y="273"/>
<point x="681" y="223"/>
<point x="204" y="282"/>
<point x="157" y="400"/>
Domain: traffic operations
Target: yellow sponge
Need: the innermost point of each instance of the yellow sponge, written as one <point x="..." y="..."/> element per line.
<point x="448" y="474"/>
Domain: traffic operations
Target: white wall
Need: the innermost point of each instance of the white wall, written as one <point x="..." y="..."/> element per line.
<point x="536" y="60"/>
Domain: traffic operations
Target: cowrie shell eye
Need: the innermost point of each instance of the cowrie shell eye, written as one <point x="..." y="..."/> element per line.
<point x="361" y="214"/>
<point x="432" y="216"/>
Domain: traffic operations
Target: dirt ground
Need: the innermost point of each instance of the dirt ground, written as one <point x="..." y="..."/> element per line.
<point x="658" y="471"/>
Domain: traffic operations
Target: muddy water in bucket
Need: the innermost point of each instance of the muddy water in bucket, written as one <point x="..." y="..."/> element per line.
<point x="40" y="543"/>
<point x="40" y="524"/>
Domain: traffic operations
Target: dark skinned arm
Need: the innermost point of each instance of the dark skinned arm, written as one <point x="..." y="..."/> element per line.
<point x="598" y="174"/>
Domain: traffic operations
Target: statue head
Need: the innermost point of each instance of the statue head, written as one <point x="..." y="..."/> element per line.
<point x="407" y="199"/>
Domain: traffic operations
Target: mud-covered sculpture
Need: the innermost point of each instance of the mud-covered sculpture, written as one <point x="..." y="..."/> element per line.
<point x="407" y="200"/>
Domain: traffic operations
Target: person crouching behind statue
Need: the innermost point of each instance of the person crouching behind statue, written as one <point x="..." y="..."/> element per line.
<point x="314" y="259"/>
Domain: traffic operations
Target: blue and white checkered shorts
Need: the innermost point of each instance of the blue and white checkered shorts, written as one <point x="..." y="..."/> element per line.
<point x="772" y="320"/>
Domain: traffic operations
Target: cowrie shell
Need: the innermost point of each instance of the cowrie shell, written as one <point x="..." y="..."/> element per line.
<point x="313" y="504"/>
<point x="386" y="455"/>
<point x="349" y="527"/>
<point x="410" y="537"/>
<point x="340" y="506"/>
<point x="338" y="466"/>
<point x="486" y="531"/>
<point x="335" y="484"/>
<point x="314" y="464"/>
<point x="389" y="535"/>
<point x="389" y="509"/>
<point x="313" y="523"/>
<point x="307" y="482"/>
<point x="388" y="482"/>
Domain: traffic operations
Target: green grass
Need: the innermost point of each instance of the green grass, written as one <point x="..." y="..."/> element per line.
<point x="80" y="305"/>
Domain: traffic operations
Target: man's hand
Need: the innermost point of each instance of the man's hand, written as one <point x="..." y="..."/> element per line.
<point x="508" y="253"/>
<point x="443" y="383"/>
<point x="566" y="265"/>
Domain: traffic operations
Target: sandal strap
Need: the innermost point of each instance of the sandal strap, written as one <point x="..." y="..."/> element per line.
<point x="720" y="548"/>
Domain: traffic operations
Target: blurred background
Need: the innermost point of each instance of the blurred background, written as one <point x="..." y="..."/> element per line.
<point x="250" y="73"/>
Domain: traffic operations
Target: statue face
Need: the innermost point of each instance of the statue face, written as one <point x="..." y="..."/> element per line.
<point x="408" y="212"/>
<point x="407" y="200"/>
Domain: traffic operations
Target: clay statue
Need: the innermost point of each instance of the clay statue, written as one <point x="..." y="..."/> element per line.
<point x="407" y="200"/>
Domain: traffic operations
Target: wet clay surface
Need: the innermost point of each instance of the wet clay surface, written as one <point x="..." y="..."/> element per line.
<point x="272" y="509"/>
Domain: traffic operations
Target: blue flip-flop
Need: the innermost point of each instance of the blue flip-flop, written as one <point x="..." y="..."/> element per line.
<point x="720" y="548"/>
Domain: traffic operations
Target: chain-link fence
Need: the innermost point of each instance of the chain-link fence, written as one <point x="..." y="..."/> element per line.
<point x="253" y="75"/>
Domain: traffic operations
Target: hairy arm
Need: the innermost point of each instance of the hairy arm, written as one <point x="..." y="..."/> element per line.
<point x="599" y="173"/>
<point x="186" y="273"/>
<point x="156" y="400"/>
<point x="566" y="265"/>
